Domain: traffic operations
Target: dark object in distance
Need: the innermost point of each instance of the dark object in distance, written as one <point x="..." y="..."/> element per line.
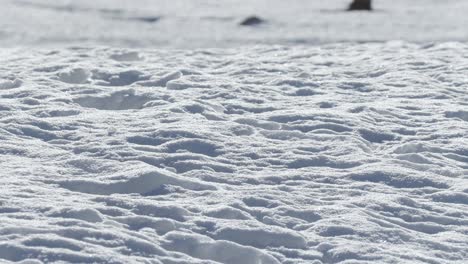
<point x="252" y="21"/>
<point x="360" y="5"/>
<point x="149" y="19"/>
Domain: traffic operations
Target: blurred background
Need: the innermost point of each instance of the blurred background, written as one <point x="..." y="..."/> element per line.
<point x="216" y="23"/>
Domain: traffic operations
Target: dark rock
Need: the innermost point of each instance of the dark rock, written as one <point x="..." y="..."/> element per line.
<point x="252" y="21"/>
<point x="360" y="5"/>
<point x="148" y="19"/>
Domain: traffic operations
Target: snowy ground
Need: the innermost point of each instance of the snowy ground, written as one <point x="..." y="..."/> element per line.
<point x="341" y="152"/>
<point x="116" y="147"/>
<point x="214" y="23"/>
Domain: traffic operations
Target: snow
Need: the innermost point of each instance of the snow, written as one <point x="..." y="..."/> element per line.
<point x="348" y="153"/>
<point x="213" y="23"/>
<point x="156" y="131"/>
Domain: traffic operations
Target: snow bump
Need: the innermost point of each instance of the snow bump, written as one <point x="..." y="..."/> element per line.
<point x="142" y="183"/>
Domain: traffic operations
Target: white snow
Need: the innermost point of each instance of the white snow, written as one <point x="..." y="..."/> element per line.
<point x="348" y="153"/>
<point x="163" y="131"/>
<point x="214" y="23"/>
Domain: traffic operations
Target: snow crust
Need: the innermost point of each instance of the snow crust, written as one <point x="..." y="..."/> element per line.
<point x="350" y="153"/>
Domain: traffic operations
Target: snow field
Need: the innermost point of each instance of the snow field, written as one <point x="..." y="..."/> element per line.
<point x="213" y="23"/>
<point x="347" y="153"/>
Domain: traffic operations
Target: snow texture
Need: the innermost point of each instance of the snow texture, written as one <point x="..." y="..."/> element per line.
<point x="350" y="153"/>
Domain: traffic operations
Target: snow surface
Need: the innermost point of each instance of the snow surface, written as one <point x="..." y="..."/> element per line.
<point x="348" y="153"/>
<point x="116" y="147"/>
<point x="214" y="23"/>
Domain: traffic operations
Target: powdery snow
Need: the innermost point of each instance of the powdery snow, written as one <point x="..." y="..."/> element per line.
<point x="339" y="153"/>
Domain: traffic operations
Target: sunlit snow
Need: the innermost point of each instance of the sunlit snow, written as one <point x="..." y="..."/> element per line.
<point x="115" y="147"/>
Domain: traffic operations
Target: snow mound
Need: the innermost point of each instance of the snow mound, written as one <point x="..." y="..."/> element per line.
<point x="143" y="183"/>
<point x="221" y="251"/>
<point x="351" y="153"/>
